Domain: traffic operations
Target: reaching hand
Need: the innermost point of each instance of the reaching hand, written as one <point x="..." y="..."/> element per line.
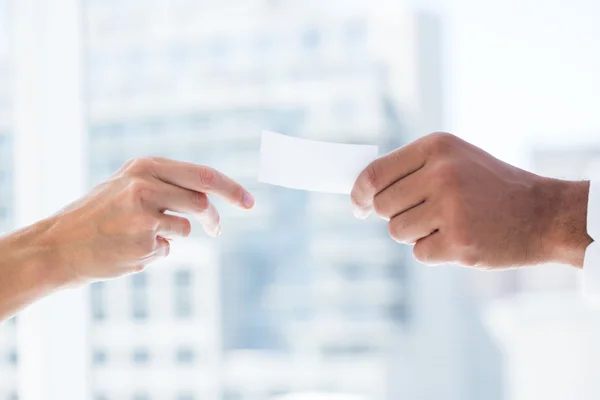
<point x="121" y="226"/>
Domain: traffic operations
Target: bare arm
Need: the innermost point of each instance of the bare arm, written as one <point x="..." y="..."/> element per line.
<point x="117" y="229"/>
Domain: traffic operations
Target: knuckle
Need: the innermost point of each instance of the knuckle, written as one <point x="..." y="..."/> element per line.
<point x="379" y="207"/>
<point x="145" y="224"/>
<point x="238" y="193"/>
<point x="423" y="253"/>
<point x="396" y="228"/>
<point x="466" y="247"/>
<point x="366" y="187"/>
<point x="447" y="173"/>
<point x="200" y="201"/>
<point x="370" y="178"/>
<point x="186" y="227"/>
<point x="469" y="259"/>
<point x="356" y="199"/>
<point x="139" y="165"/>
<point x="440" y="142"/>
<point x="138" y="189"/>
<point x="207" y="176"/>
<point x="445" y="178"/>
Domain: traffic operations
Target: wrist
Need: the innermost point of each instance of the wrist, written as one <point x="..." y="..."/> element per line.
<point x="29" y="270"/>
<point x="40" y="257"/>
<point x="563" y="206"/>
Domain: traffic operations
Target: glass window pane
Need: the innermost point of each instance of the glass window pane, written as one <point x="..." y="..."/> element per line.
<point x="185" y="356"/>
<point x="139" y="297"/>
<point x="183" y="293"/>
<point x="141" y="356"/>
<point x="98" y="301"/>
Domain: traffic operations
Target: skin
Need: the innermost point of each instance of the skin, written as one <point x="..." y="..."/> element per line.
<point x="451" y="200"/>
<point x="119" y="228"/>
<point x="457" y="204"/>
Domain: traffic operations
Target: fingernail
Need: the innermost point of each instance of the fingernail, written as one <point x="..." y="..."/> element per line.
<point x="248" y="200"/>
<point x="218" y="231"/>
<point x="361" y="213"/>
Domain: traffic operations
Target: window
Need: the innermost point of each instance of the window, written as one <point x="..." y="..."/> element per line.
<point x="396" y="272"/>
<point x="178" y="54"/>
<point x="231" y="394"/>
<point x="311" y="39"/>
<point x="107" y="130"/>
<point x="136" y="60"/>
<point x="353" y="272"/>
<point x="97" y="299"/>
<point x="12" y="357"/>
<point x="345" y="110"/>
<point x="348" y="350"/>
<point x="355" y="311"/>
<point x="185" y="356"/>
<point x="219" y="49"/>
<point x="398" y="313"/>
<point x="277" y="393"/>
<point x="147" y="127"/>
<point x="183" y="293"/>
<point x="263" y="44"/>
<point x="141" y="356"/>
<point x="99" y="357"/>
<point x="139" y="297"/>
<point x="355" y="33"/>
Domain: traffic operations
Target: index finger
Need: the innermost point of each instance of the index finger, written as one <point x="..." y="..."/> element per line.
<point x="202" y="179"/>
<point x="382" y="173"/>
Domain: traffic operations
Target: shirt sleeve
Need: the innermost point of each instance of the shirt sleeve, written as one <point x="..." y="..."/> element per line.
<point x="591" y="265"/>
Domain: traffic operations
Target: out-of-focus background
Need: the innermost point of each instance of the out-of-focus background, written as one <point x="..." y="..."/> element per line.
<point x="296" y="300"/>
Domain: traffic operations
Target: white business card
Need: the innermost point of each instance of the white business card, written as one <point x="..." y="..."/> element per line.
<point x="312" y="165"/>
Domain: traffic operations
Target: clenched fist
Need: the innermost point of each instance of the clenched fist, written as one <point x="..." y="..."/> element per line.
<point x="456" y="203"/>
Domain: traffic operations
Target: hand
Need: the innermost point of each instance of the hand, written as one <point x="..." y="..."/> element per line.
<point x="456" y="203"/>
<point x="121" y="226"/>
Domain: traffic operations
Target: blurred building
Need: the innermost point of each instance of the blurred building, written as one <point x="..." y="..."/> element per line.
<point x="155" y="333"/>
<point x="311" y="299"/>
<point x="8" y="345"/>
<point x="8" y="360"/>
<point x="5" y="120"/>
<point x="296" y="296"/>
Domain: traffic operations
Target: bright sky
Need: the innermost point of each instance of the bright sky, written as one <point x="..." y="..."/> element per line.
<point x="522" y="72"/>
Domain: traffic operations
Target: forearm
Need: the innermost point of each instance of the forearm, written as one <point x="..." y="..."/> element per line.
<point x="564" y="206"/>
<point x="28" y="269"/>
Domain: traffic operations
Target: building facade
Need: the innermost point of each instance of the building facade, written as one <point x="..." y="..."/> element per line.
<point x="311" y="299"/>
<point x="296" y="296"/>
<point x="8" y="337"/>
